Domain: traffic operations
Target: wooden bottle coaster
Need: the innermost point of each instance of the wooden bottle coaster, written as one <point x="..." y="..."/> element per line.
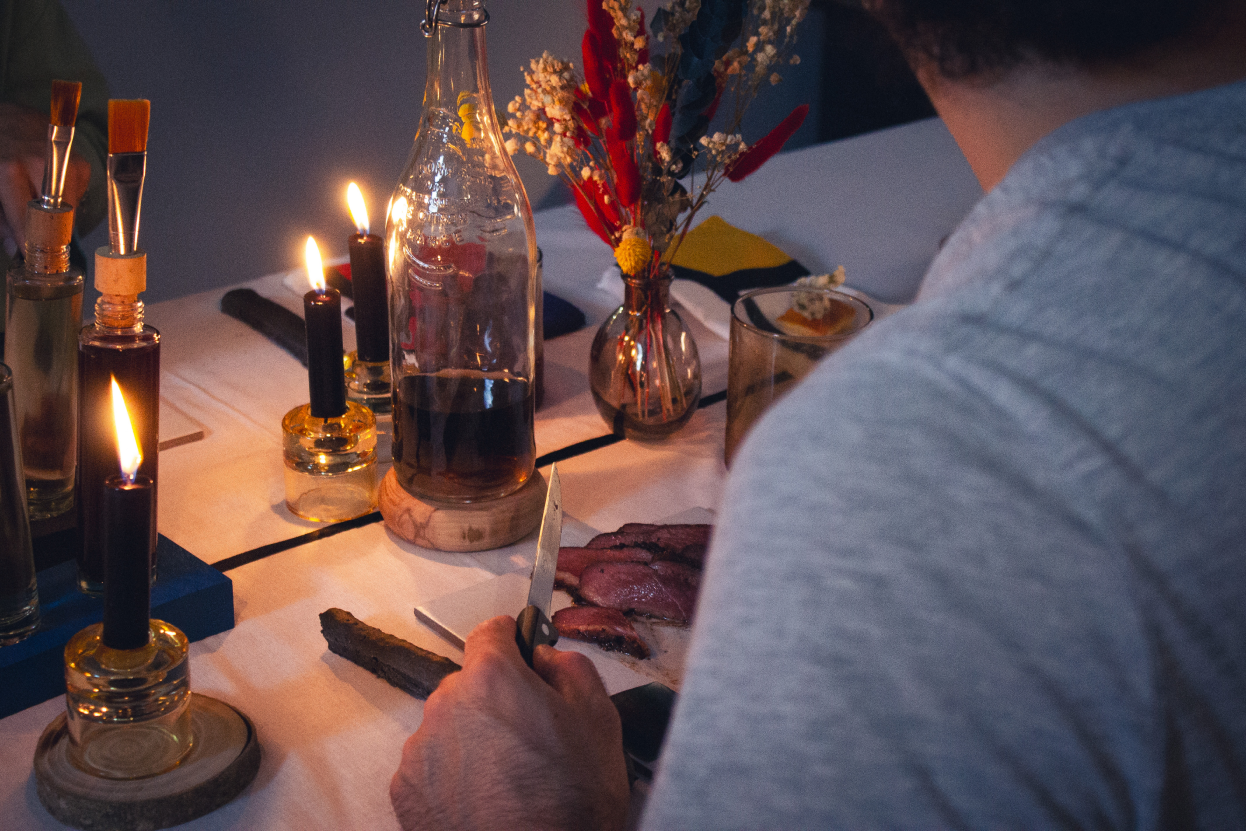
<point x="453" y="526"/>
<point x="221" y="764"/>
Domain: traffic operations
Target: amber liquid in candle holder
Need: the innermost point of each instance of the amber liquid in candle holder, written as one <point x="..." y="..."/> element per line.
<point x="368" y="383"/>
<point x="127" y="679"/>
<point x="330" y="463"/>
<point x="128" y="713"/>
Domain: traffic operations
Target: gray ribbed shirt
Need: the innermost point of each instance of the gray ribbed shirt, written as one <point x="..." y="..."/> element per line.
<point x="987" y="566"/>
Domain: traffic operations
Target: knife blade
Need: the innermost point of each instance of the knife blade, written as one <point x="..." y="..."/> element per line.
<point x="533" y="626"/>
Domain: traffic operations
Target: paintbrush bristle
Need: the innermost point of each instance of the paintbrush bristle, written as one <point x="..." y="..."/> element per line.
<point x="127" y="125"/>
<point x="65" y="97"/>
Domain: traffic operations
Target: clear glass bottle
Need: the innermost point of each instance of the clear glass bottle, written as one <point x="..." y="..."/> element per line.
<point x="118" y="344"/>
<point x="19" y="592"/>
<point x="461" y="261"/>
<point x="40" y="346"/>
<point x="644" y="368"/>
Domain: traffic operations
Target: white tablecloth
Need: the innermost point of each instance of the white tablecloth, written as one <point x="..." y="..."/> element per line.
<point x="332" y="733"/>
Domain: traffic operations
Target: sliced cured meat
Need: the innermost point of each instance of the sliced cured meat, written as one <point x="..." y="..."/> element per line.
<point x="572" y="561"/>
<point x="678" y="576"/>
<point x="686" y="542"/>
<point x="618" y="539"/>
<point x="634" y="587"/>
<point x="674" y="536"/>
<point x="608" y="628"/>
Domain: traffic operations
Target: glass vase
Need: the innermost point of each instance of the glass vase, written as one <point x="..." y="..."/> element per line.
<point x="644" y="370"/>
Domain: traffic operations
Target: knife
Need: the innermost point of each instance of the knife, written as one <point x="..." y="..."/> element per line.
<point x="533" y="626"/>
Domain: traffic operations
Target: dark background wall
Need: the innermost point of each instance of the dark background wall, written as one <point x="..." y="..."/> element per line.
<point x="262" y="112"/>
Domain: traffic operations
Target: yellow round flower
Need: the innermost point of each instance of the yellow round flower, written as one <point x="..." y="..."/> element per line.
<point x="633" y="254"/>
<point x="467" y="112"/>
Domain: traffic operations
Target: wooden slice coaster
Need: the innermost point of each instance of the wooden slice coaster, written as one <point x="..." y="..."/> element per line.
<point x="223" y="761"/>
<point x="451" y="526"/>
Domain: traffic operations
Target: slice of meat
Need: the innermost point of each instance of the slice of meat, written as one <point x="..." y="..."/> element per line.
<point x="572" y="561"/>
<point x="618" y="539"/>
<point x="635" y="587"/>
<point x="608" y="628"/>
<point x="687" y="542"/>
<point x="674" y="536"/>
<point x="679" y="577"/>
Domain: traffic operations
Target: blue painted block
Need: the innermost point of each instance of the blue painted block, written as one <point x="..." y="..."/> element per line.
<point x="188" y="593"/>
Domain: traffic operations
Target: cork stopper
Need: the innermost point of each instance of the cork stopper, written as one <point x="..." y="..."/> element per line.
<point x="120" y="274"/>
<point x="49" y="227"/>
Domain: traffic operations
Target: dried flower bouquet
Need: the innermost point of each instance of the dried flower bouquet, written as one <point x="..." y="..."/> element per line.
<point x="630" y="135"/>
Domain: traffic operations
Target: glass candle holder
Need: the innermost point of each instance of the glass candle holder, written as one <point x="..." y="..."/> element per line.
<point x="330" y="463"/>
<point x="128" y="709"/>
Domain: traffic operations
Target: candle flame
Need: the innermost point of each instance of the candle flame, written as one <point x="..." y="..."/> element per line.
<point x="315" y="267"/>
<point x="127" y="445"/>
<point x="358" y="210"/>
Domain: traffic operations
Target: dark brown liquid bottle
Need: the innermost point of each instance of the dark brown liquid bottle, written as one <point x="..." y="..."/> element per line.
<point x="118" y="345"/>
<point x="463" y="291"/>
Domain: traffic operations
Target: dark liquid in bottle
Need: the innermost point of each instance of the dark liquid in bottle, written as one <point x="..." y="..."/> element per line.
<point x="136" y="365"/>
<point x="462" y="436"/>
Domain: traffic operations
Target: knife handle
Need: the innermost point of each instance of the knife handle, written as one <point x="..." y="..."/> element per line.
<point x="531" y="629"/>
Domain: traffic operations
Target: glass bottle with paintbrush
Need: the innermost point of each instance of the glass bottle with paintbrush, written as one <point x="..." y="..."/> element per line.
<point x="118" y="344"/>
<point x="44" y="314"/>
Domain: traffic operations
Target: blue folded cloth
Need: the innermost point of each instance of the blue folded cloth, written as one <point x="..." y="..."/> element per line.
<point x="561" y="316"/>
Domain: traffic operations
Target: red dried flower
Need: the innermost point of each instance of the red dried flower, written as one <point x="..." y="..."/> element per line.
<point x="626" y="174"/>
<point x="757" y="155"/>
<point x="601" y="24"/>
<point x="596" y="73"/>
<point x="608" y="209"/>
<point x="589" y="212"/>
<point x="622" y="111"/>
<point x="662" y="126"/>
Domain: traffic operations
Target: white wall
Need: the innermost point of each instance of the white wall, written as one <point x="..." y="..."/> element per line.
<point x="262" y="111"/>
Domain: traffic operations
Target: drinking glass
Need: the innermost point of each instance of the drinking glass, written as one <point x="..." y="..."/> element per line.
<point x="777" y="336"/>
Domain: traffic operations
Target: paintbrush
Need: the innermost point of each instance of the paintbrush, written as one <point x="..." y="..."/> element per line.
<point x="64" y="112"/>
<point x="127" y="167"/>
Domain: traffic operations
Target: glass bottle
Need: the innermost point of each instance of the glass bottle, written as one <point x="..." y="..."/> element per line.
<point x="461" y="261"/>
<point x="644" y="368"/>
<point x="43" y="317"/>
<point x="19" y="592"/>
<point x="118" y="344"/>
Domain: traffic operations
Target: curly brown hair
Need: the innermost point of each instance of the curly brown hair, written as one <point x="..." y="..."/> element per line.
<point x="964" y="38"/>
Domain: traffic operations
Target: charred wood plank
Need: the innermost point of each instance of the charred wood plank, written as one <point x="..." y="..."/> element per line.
<point x="405" y="665"/>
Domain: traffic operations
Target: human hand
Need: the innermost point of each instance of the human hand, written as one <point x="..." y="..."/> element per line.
<point x="23" y="148"/>
<point x="502" y="746"/>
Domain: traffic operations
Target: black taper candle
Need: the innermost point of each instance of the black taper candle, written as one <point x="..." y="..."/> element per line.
<point x="367" y="275"/>
<point x="326" y="375"/>
<point x="127" y="527"/>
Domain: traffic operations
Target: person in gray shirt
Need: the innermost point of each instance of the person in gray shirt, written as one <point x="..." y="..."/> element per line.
<point x="986" y="567"/>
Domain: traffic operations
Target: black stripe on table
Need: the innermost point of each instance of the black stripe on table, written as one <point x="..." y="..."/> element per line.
<point x="568" y="452"/>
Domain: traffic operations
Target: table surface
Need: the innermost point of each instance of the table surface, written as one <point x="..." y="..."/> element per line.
<point x="332" y="733"/>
